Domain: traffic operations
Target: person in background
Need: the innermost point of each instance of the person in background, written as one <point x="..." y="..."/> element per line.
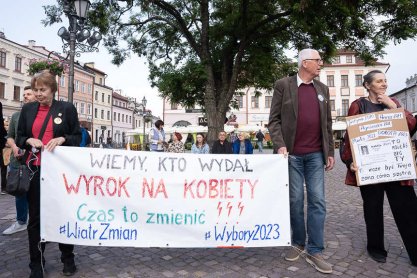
<point x="176" y="145"/>
<point x="260" y="140"/>
<point x="62" y="129"/>
<point x="242" y="145"/>
<point x="200" y="146"/>
<point x="157" y="137"/>
<point x="85" y="137"/>
<point x="401" y="195"/>
<point x="3" y="134"/>
<point x="222" y="146"/>
<point x="300" y="123"/>
<point x="17" y="153"/>
<point x="5" y="155"/>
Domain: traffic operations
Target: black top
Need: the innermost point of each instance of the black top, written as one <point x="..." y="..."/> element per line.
<point x="224" y="148"/>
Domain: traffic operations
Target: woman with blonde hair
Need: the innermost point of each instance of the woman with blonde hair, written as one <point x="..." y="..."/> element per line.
<point x="242" y="145"/>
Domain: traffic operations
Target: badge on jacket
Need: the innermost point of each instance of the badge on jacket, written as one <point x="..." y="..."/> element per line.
<point x="58" y="120"/>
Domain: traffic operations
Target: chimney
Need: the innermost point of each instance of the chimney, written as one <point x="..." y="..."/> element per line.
<point x="2" y="35"/>
<point x="31" y="43"/>
<point x="89" y="64"/>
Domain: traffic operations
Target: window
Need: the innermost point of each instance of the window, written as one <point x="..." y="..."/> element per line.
<point x="240" y="101"/>
<point x="102" y="114"/>
<point x="254" y="102"/>
<point x="16" y="93"/>
<point x="330" y="80"/>
<point x="90" y="88"/>
<point x="130" y="119"/>
<point x="101" y="81"/>
<point x="118" y="117"/>
<point x="96" y="96"/>
<point x="77" y="85"/>
<point x="89" y="109"/>
<point x="2" y="87"/>
<point x="76" y="105"/>
<point x="108" y="99"/>
<point x="114" y="116"/>
<point x="268" y="101"/>
<point x="345" y="107"/>
<point x="413" y="104"/>
<point x="95" y="113"/>
<point x="332" y="105"/>
<point x="345" y="81"/>
<point x="82" y="87"/>
<point x="82" y="108"/>
<point x="108" y="115"/>
<point x="123" y="117"/>
<point x="349" y="59"/>
<point x="102" y="97"/>
<point x="336" y="60"/>
<point x="358" y="80"/>
<point x="62" y="81"/>
<point x="18" y="64"/>
<point x="2" y="59"/>
<point x="174" y="106"/>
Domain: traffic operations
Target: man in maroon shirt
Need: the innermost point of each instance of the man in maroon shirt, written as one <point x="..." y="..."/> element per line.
<point x="300" y="124"/>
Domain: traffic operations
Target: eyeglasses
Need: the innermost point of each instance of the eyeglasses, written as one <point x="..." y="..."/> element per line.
<point x="317" y="60"/>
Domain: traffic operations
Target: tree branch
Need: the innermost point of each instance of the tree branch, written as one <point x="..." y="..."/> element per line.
<point x="182" y="26"/>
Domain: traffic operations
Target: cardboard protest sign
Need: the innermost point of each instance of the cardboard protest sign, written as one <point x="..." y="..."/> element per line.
<point x="381" y="147"/>
<point x="111" y="197"/>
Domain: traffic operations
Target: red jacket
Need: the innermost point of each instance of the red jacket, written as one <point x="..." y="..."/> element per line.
<point x="347" y="153"/>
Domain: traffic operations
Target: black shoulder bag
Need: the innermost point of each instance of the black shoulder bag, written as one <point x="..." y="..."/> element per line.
<point x="18" y="179"/>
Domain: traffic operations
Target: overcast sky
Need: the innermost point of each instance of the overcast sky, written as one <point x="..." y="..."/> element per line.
<point x="20" y="21"/>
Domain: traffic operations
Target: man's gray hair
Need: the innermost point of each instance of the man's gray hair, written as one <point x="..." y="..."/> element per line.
<point x="305" y="54"/>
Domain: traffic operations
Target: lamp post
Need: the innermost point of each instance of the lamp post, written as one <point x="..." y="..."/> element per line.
<point x="73" y="38"/>
<point x="144" y="101"/>
<point x="137" y="109"/>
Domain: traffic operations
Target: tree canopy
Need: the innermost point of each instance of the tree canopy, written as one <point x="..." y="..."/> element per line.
<point x="207" y="51"/>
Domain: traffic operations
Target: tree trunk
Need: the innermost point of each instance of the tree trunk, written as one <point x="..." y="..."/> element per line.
<point x="215" y="112"/>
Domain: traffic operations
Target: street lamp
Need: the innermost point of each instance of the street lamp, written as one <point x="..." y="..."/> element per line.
<point x="73" y="38"/>
<point x="144" y="101"/>
<point x="137" y="109"/>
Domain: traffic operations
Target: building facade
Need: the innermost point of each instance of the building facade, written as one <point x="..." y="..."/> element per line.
<point x="344" y="76"/>
<point x="122" y="120"/>
<point x="14" y="62"/>
<point x="102" y="130"/>
<point x="408" y="95"/>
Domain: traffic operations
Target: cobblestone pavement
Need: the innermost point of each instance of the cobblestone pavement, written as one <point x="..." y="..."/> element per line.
<point x="344" y="238"/>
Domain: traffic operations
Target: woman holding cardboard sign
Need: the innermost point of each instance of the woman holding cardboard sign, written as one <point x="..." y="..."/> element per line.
<point x="400" y="194"/>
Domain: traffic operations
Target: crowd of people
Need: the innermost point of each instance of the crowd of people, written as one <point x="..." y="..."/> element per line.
<point x="240" y="145"/>
<point x="300" y="126"/>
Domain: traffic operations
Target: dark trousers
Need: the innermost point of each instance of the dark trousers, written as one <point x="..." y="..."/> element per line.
<point x="3" y="173"/>
<point x="34" y="227"/>
<point x="403" y="203"/>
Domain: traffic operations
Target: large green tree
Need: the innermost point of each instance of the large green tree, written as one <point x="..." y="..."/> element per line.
<point x="207" y="51"/>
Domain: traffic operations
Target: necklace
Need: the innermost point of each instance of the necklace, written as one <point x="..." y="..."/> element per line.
<point x="372" y="101"/>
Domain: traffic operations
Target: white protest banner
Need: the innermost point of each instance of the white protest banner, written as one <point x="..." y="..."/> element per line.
<point x="381" y="147"/>
<point x="111" y="197"/>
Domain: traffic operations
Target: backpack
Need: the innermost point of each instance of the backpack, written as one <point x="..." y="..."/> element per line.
<point x="85" y="137"/>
